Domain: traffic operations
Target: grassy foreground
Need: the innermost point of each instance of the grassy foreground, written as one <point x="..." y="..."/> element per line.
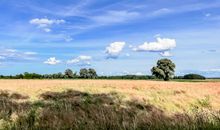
<point x="108" y="104"/>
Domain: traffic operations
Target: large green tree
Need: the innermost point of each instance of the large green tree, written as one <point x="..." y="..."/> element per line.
<point x="83" y="73"/>
<point x="92" y="73"/>
<point x="88" y="73"/>
<point x="69" y="73"/>
<point x="164" y="70"/>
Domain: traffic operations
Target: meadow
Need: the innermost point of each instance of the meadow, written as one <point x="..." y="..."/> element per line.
<point x="109" y="104"/>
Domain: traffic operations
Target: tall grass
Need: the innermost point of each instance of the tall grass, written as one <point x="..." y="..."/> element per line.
<point x="74" y="110"/>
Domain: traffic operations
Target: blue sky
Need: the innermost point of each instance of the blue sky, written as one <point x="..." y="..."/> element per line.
<point x="112" y="36"/>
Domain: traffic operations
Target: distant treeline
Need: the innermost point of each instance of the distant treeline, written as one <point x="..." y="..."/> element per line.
<point x="68" y="74"/>
<point x="90" y="74"/>
<point x="137" y="77"/>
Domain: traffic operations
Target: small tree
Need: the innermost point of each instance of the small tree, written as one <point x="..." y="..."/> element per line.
<point x="164" y="69"/>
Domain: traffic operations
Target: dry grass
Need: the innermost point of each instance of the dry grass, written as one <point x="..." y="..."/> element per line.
<point x="169" y="96"/>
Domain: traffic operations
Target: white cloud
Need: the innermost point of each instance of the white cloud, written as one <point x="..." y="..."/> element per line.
<point x="114" y="49"/>
<point x="131" y="73"/>
<point x="139" y="73"/>
<point x="2" y="57"/>
<point x="162" y="44"/>
<point x="130" y="46"/>
<point x="68" y="38"/>
<point x="45" y="23"/>
<point x="83" y="57"/>
<point x="30" y="53"/>
<point x="52" y="61"/>
<point x="115" y="17"/>
<point x="15" y="55"/>
<point x="127" y="54"/>
<point x="208" y="14"/>
<point x="166" y="54"/>
<point x="157" y="35"/>
<point x="10" y="50"/>
<point x="161" y="12"/>
<point x="80" y="60"/>
<point x="47" y="30"/>
<point x="213" y="70"/>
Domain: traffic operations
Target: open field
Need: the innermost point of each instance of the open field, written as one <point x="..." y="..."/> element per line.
<point x="170" y="96"/>
<point x="108" y="104"/>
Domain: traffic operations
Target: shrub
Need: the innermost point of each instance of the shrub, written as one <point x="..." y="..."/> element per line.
<point x="193" y="76"/>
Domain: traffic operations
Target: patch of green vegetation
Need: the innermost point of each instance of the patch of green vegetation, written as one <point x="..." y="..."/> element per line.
<point x="82" y="111"/>
<point x="196" y="80"/>
<point x="204" y="102"/>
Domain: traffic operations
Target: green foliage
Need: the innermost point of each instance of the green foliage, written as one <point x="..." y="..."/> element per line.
<point x="88" y="73"/>
<point x="92" y="73"/>
<point x="130" y="77"/>
<point x="164" y="69"/>
<point x="31" y="76"/>
<point x="83" y="73"/>
<point x="193" y="76"/>
<point x="69" y="73"/>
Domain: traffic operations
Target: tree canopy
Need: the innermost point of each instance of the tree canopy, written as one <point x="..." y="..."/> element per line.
<point x="164" y="70"/>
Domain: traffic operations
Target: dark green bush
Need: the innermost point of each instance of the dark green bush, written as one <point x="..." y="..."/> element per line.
<point x="193" y="76"/>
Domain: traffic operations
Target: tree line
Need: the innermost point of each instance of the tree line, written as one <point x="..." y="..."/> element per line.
<point x="164" y="69"/>
<point x="68" y="74"/>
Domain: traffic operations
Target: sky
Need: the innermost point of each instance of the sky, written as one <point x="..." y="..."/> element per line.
<point x="115" y="37"/>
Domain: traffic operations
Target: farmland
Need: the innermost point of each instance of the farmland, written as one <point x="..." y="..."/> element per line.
<point x="81" y="101"/>
<point x="171" y="96"/>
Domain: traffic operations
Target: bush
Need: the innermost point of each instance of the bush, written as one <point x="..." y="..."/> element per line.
<point x="193" y="76"/>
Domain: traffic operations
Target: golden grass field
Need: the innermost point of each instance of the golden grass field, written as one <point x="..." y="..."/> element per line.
<point x="170" y="96"/>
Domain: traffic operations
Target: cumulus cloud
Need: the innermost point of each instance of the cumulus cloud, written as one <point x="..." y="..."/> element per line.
<point x="82" y="60"/>
<point x="45" y="23"/>
<point x="114" y="49"/>
<point x="166" y="54"/>
<point x="52" y="61"/>
<point x="162" y="44"/>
